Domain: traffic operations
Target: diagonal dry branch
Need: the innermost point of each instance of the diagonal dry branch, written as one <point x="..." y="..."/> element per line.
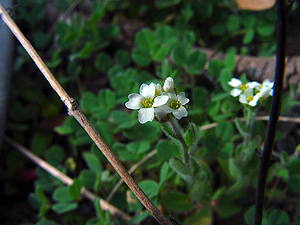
<point x="66" y="180"/>
<point x="74" y="111"/>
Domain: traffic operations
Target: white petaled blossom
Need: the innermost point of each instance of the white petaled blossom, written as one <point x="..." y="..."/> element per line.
<point x="240" y="87"/>
<point x="249" y="98"/>
<point x="265" y="89"/>
<point x="169" y="84"/>
<point x="146" y="102"/>
<point x="157" y="101"/>
<point x="175" y="105"/>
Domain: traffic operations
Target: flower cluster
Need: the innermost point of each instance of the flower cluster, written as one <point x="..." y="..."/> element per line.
<point x="250" y="93"/>
<point x="155" y="100"/>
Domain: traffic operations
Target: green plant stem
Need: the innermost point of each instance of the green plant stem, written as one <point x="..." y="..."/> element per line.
<point x="174" y="124"/>
<point x="282" y="16"/>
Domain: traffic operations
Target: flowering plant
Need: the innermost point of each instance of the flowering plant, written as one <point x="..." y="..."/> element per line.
<point x="250" y="93"/>
<point x="158" y="101"/>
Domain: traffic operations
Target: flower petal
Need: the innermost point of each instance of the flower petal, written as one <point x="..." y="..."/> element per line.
<point x="235" y="92"/>
<point x="160" y="100"/>
<point x="182" y="99"/>
<point x="169" y="84"/>
<point x="235" y="82"/>
<point x="181" y="112"/>
<point x="145" y="115"/>
<point x="147" y="91"/>
<point x="254" y="100"/>
<point x="243" y="99"/>
<point x="134" y="101"/>
<point x="253" y="84"/>
<point x="160" y="113"/>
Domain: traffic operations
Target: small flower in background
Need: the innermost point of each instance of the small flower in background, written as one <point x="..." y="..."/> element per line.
<point x="146" y="102"/>
<point x="252" y="92"/>
<point x="266" y="89"/>
<point x="239" y="87"/>
<point x="155" y="100"/>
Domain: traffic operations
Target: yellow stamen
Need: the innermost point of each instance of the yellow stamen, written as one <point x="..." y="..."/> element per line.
<point x="175" y="105"/>
<point x="244" y="87"/>
<point x="249" y="98"/>
<point x="147" y="103"/>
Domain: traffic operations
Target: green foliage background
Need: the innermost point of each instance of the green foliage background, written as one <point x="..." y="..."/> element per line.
<point x="83" y="51"/>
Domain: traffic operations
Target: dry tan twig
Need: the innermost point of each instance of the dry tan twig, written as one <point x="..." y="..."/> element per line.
<point x="65" y="179"/>
<point x="74" y="111"/>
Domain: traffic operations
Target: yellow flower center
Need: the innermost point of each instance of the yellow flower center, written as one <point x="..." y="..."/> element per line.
<point x="249" y="98"/>
<point x="157" y="92"/>
<point x="175" y="105"/>
<point x="244" y="87"/>
<point x="147" y="103"/>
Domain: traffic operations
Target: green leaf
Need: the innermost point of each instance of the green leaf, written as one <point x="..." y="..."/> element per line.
<point x="225" y="76"/>
<point x="159" y="53"/>
<point x="46" y="222"/>
<point x="184" y="171"/>
<point x="85" y="52"/>
<point x="92" y="162"/>
<point x="105" y="131"/>
<point x="180" y="55"/>
<point x="224" y="130"/>
<point x="54" y="155"/>
<point x="218" y="193"/>
<point x="64" y="207"/>
<point x="166" y="150"/>
<point x="103" y="62"/>
<point x="122" y="57"/>
<point x="138" y="147"/>
<point x="176" y="201"/>
<point x="215" y="66"/>
<point x="40" y="142"/>
<point x="88" y="101"/>
<point x="189" y="38"/>
<point x="61" y="194"/>
<point x="265" y="28"/>
<point x="87" y="178"/>
<point x="141" y="56"/>
<point x="249" y="36"/>
<point x="196" y="62"/>
<point x="164" y="172"/>
<point x="161" y="4"/>
<point x="150" y="188"/>
<point x="107" y="99"/>
<point x="74" y="190"/>
<point x="226" y="150"/>
<point x="145" y="39"/>
<point x="163" y="33"/>
<point x="230" y="61"/>
<point x="233" y="23"/>
<point x="199" y="96"/>
<point x="67" y="127"/>
<point x="279" y="217"/>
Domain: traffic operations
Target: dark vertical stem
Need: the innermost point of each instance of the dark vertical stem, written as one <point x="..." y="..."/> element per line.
<point x="282" y="14"/>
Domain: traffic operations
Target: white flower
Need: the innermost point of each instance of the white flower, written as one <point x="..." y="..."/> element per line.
<point x="265" y="89"/>
<point x="169" y="84"/>
<point x="146" y="102"/>
<point x="175" y="105"/>
<point x="239" y="87"/>
<point x="249" y="98"/>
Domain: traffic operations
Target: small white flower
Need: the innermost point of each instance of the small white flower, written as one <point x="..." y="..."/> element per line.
<point x="169" y="84"/>
<point x="249" y="98"/>
<point x="266" y="89"/>
<point x="146" y="102"/>
<point x="175" y="105"/>
<point x="240" y="87"/>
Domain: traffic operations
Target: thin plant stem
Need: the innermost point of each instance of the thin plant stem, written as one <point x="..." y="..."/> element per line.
<point x="65" y="179"/>
<point x="174" y="124"/>
<point x="265" y="158"/>
<point x="74" y="111"/>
